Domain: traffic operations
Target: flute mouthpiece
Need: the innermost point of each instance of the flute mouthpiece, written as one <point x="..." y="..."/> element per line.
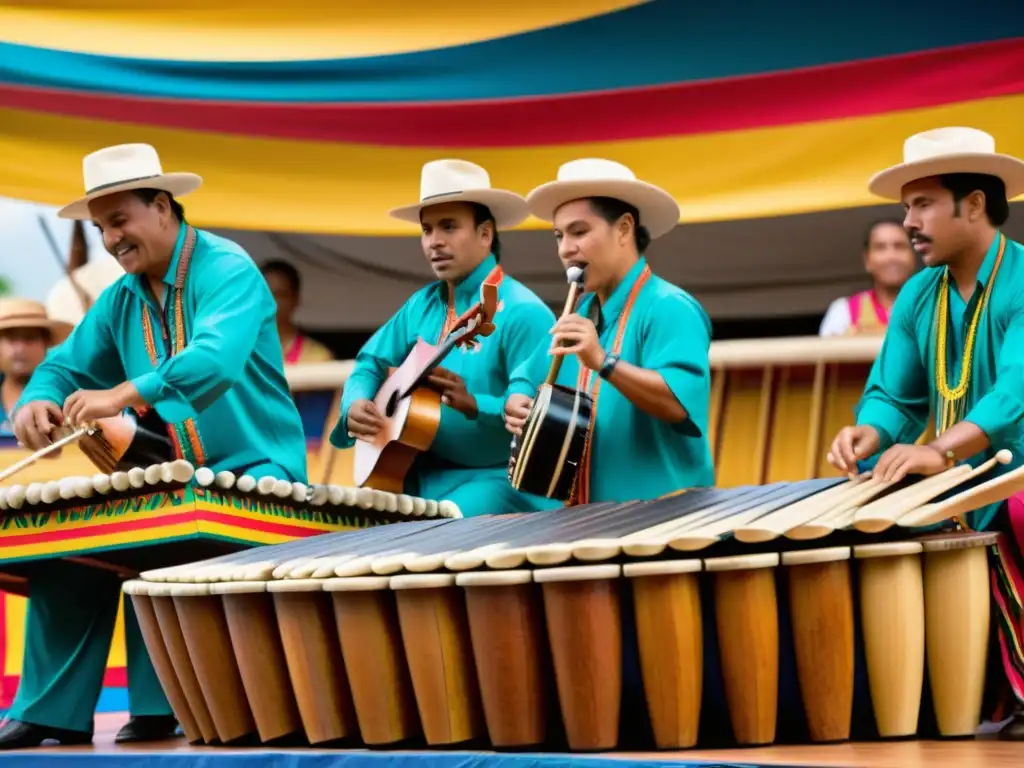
<point x="573" y="274"/>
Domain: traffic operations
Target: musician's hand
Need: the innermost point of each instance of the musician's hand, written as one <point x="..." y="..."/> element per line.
<point x="902" y="460"/>
<point x="580" y="337"/>
<point x="87" y="405"/>
<point x="34" y="422"/>
<point x="853" y="444"/>
<point x="517" y="408"/>
<point x="364" y="420"/>
<point x="453" y="392"/>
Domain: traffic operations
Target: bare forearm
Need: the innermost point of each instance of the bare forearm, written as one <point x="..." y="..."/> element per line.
<point x="964" y="440"/>
<point x="648" y="391"/>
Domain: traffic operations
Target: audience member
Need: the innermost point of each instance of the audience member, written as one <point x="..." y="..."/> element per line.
<point x="890" y="261"/>
<point x="285" y="284"/>
<point x="25" y="334"/>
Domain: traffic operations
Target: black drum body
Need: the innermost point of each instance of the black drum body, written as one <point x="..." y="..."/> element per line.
<point x="151" y="444"/>
<point x="546" y="457"/>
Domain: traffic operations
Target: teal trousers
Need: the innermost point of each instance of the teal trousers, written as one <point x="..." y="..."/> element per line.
<point x="70" y="624"/>
<point x="479" y="492"/>
<point x="71" y="615"/>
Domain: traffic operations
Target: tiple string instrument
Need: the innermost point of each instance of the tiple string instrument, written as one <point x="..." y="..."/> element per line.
<point x="544" y="461"/>
<point x="449" y="631"/>
<point x="412" y="410"/>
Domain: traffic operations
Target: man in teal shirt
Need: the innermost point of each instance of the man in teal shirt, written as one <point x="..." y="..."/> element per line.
<point x="459" y="215"/>
<point x="637" y="343"/>
<point x="190" y="333"/>
<point x="955" y="348"/>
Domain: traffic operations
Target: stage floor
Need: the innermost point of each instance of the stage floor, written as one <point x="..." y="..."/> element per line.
<point x="986" y="751"/>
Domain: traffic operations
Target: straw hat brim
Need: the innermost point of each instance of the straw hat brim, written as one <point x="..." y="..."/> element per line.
<point x="177" y="184"/>
<point x="890" y="182"/>
<point x="58" y="329"/>
<point x="659" y="212"/>
<point x="508" y="208"/>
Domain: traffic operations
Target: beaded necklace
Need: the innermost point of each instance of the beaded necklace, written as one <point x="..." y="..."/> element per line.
<point x="952" y="401"/>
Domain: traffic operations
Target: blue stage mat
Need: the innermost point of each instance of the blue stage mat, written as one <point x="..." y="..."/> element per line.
<point x="258" y="758"/>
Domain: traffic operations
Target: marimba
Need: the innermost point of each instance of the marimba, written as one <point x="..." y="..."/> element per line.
<point x="449" y="631"/>
<point x="171" y="513"/>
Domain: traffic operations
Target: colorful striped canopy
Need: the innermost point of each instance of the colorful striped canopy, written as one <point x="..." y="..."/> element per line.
<point x="311" y="118"/>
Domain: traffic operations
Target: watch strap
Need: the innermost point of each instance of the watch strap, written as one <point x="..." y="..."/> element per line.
<point x="608" y="365"/>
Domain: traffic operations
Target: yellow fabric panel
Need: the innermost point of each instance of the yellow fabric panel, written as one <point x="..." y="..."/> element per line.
<point x="71" y="462"/>
<point x="271" y="30"/>
<point x="738" y="436"/>
<point x="790" y="431"/>
<point x="118" y="656"/>
<point x="844" y="387"/>
<point x="15" y="610"/>
<point x="282" y="185"/>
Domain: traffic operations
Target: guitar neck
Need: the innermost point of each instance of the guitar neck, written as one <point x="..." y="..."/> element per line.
<point x="435" y="360"/>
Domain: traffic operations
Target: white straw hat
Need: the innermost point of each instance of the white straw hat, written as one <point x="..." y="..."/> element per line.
<point x="591" y="177"/>
<point x="948" y="150"/>
<point x="26" y="313"/>
<point x="450" y="181"/>
<point x="123" y="167"/>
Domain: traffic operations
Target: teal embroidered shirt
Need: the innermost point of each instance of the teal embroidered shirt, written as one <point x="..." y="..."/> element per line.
<point x="482" y="444"/>
<point x="901" y="392"/>
<point x="230" y="376"/>
<point x="635" y="455"/>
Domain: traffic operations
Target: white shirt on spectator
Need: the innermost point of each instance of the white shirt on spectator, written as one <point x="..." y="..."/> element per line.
<point x="837" y="320"/>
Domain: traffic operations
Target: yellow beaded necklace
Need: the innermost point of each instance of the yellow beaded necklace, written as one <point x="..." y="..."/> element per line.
<point x="951" y="401"/>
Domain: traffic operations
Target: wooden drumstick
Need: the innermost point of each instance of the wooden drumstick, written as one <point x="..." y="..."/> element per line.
<point x="992" y="491"/>
<point x="88" y="429"/>
<point x="882" y="514"/>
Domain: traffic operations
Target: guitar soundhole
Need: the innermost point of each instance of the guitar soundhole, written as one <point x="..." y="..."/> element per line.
<point x="392" y="405"/>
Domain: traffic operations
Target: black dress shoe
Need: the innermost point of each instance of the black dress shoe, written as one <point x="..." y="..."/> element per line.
<point x="18" y="735"/>
<point x="147" y="728"/>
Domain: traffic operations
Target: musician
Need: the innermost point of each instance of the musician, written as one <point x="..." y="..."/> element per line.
<point x="188" y="332"/>
<point x="889" y="260"/>
<point x="286" y="286"/>
<point x="26" y="332"/>
<point x="638" y="343"/>
<point x="459" y="215"/>
<point x="955" y="345"/>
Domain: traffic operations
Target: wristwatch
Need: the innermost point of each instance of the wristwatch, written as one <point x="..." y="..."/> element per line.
<point x="608" y="366"/>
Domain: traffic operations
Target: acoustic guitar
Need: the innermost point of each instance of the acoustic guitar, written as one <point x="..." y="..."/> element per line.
<point x="411" y="409"/>
<point x="545" y="460"/>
